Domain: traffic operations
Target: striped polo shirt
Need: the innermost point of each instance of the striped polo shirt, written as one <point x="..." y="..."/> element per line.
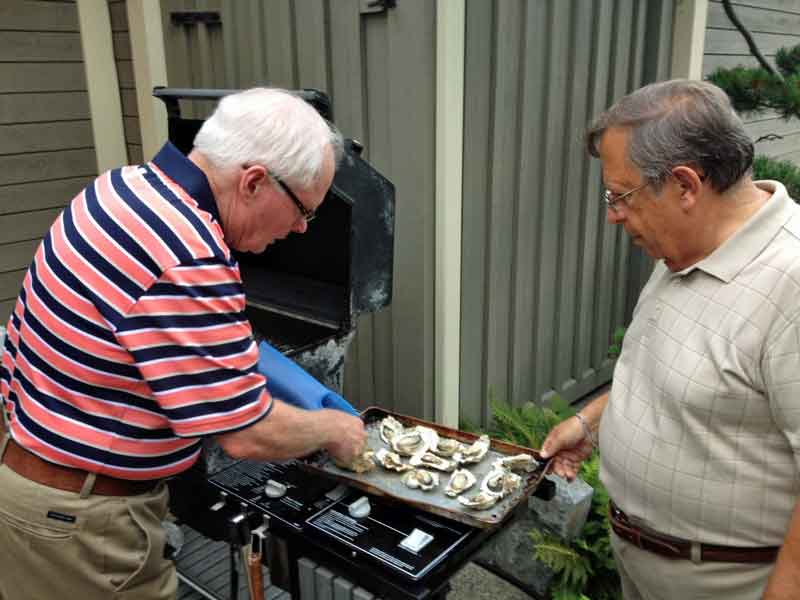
<point x="129" y="339"/>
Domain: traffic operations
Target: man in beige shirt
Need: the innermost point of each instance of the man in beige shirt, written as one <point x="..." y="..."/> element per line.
<point x="700" y="434"/>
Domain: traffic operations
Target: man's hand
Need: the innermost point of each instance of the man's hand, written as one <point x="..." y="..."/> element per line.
<point x="345" y="433"/>
<point x="568" y="445"/>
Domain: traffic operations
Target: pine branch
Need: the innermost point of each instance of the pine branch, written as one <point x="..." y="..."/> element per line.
<point x="726" y="4"/>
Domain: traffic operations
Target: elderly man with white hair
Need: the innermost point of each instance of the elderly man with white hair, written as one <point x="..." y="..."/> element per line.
<point x="129" y="344"/>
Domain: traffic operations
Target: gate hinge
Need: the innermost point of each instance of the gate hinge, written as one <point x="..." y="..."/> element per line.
<point x="192" y="17"/>
<point x="376" y="6"/>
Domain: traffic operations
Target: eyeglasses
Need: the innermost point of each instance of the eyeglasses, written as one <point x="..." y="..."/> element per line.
<point x="612" y="200"/>
<point x="308" y="215"/>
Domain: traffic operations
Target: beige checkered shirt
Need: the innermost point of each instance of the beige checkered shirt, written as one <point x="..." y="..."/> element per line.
<point x="701" y="435"/>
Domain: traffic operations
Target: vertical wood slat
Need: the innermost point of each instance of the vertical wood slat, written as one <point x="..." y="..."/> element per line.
<point x="281" y="58"/>
<point x="347" y="84"/>
<point x="477" y="170"/>
<point x="575" y="212"/>
<point x="532" y="173"/>
<point x="411" y="51"/>
<point x="594" y="229"/>
<point x="552" y="199"/>
<point x="501" y="213"/>
<point x="312" y="45"/>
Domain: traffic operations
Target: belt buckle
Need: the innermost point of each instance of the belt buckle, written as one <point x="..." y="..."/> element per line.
<point x="696" y="552"/>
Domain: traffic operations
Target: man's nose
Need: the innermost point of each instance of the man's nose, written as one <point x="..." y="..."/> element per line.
<point x="615" y="216"/>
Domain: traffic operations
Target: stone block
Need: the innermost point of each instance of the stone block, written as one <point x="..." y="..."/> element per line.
<point x="564" y="515"/>
<point x="510" y="552"/>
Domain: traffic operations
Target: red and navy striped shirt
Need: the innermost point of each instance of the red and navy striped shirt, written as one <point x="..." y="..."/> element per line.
<point x="129" y="339"/>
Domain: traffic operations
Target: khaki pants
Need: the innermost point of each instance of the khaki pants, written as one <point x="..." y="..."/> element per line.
<point x="648" y="576"/>
<point x="56" y="545"/>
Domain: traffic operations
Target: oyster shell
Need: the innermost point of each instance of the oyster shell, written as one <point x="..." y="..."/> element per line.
<point x="391" y="461"/>
<point x="421" y="479"/>
<point x="500" y="482"/>
<point x="390" y="427"/>
<point x="429" y="435"/>
<point x="447" y="447"/>
<point x="431" y="461"/>
<point x="473" y="453"/>
<point x="409" y="442"/>
<point x="479" y="501"/>
<point x="363" y="463"/>
<point x="518" y="462"/>
<point x="460" y="481"/>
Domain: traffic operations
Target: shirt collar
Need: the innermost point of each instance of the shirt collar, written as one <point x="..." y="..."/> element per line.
<point x="739" y="250"/>
<point x="189" y="176"/>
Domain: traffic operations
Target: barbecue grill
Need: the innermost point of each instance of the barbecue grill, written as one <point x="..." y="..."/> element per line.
<point x="304" y="295"/>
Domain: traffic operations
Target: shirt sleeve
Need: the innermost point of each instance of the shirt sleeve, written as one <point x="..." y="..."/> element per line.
<point x="193" y="345"/>
<point x="781" y="367"/>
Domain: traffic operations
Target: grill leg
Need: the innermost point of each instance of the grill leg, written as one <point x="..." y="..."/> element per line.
<point x="234" y="595"/>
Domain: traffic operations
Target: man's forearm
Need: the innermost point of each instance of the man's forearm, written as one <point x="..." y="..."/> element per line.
<point x="285" y="433"/>
<point x="784" y="583"/>
<point x="593" y="411"/>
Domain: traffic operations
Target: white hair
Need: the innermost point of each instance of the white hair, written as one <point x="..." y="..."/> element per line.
<point x="270" y="127"/>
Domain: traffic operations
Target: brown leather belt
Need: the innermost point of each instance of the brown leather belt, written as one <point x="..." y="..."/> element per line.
<point x="28" y="465"/>
<point x="677" y="548"/>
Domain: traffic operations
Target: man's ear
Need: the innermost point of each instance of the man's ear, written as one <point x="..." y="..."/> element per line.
<point x="690" y="185"/>
<point x="251" y="180"/>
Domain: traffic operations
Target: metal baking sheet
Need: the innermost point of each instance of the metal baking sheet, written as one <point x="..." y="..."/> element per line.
<point x="388" y="483"/>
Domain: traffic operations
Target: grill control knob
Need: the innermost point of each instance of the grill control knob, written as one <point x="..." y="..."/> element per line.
<point x="360" y="508"/>
<point x="273" y="489"/>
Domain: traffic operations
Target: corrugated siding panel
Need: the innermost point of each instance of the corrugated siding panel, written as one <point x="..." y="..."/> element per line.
<point x="46" y="144"/>
<point x="379" y="70"/>
<point x="773" y="24"/>
<point x="544" y="280"/>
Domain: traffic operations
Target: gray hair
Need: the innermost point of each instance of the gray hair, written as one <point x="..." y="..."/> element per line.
<point x="679" y="122"/>
<point x="270" y="127"/>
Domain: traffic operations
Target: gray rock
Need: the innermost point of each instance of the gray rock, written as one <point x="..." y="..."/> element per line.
<point x="510" y="553"/>
<point x="565" y="515"/>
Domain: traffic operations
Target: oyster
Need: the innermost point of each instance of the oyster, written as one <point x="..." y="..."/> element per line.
<point x="391" y="461"/>
<point x="479" y="501"/>
<point x="447" y="447"/>
<point x="430" y="460"/>
<point x="361" y="464"/>
<point x="390" y="427"/>
<point x="408" y="443"/>
<point x="500" y="482"/>
<point x="421" y="479"/>
<point x="429" y="435"/>
<point x="473" y="453"/>
<point x="518" y="462"/>
<point x="460" y="481"/>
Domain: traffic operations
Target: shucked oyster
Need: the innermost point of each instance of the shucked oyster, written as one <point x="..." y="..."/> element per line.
<point x="361" y="464"/>
<point x="480" y="501"/>
<point x="519" y="463"/>
<point x="409" y="443"/>
<point x="390" y="428"/>
<point x="430" y="460"/>
<point x="421" y="479"/>
<point x="460" y="481"/>
<point x="500" y="482"/>
<point x="447" y="447"/>
<point x="391" y="461"/>
<point x="473" y="453"/>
